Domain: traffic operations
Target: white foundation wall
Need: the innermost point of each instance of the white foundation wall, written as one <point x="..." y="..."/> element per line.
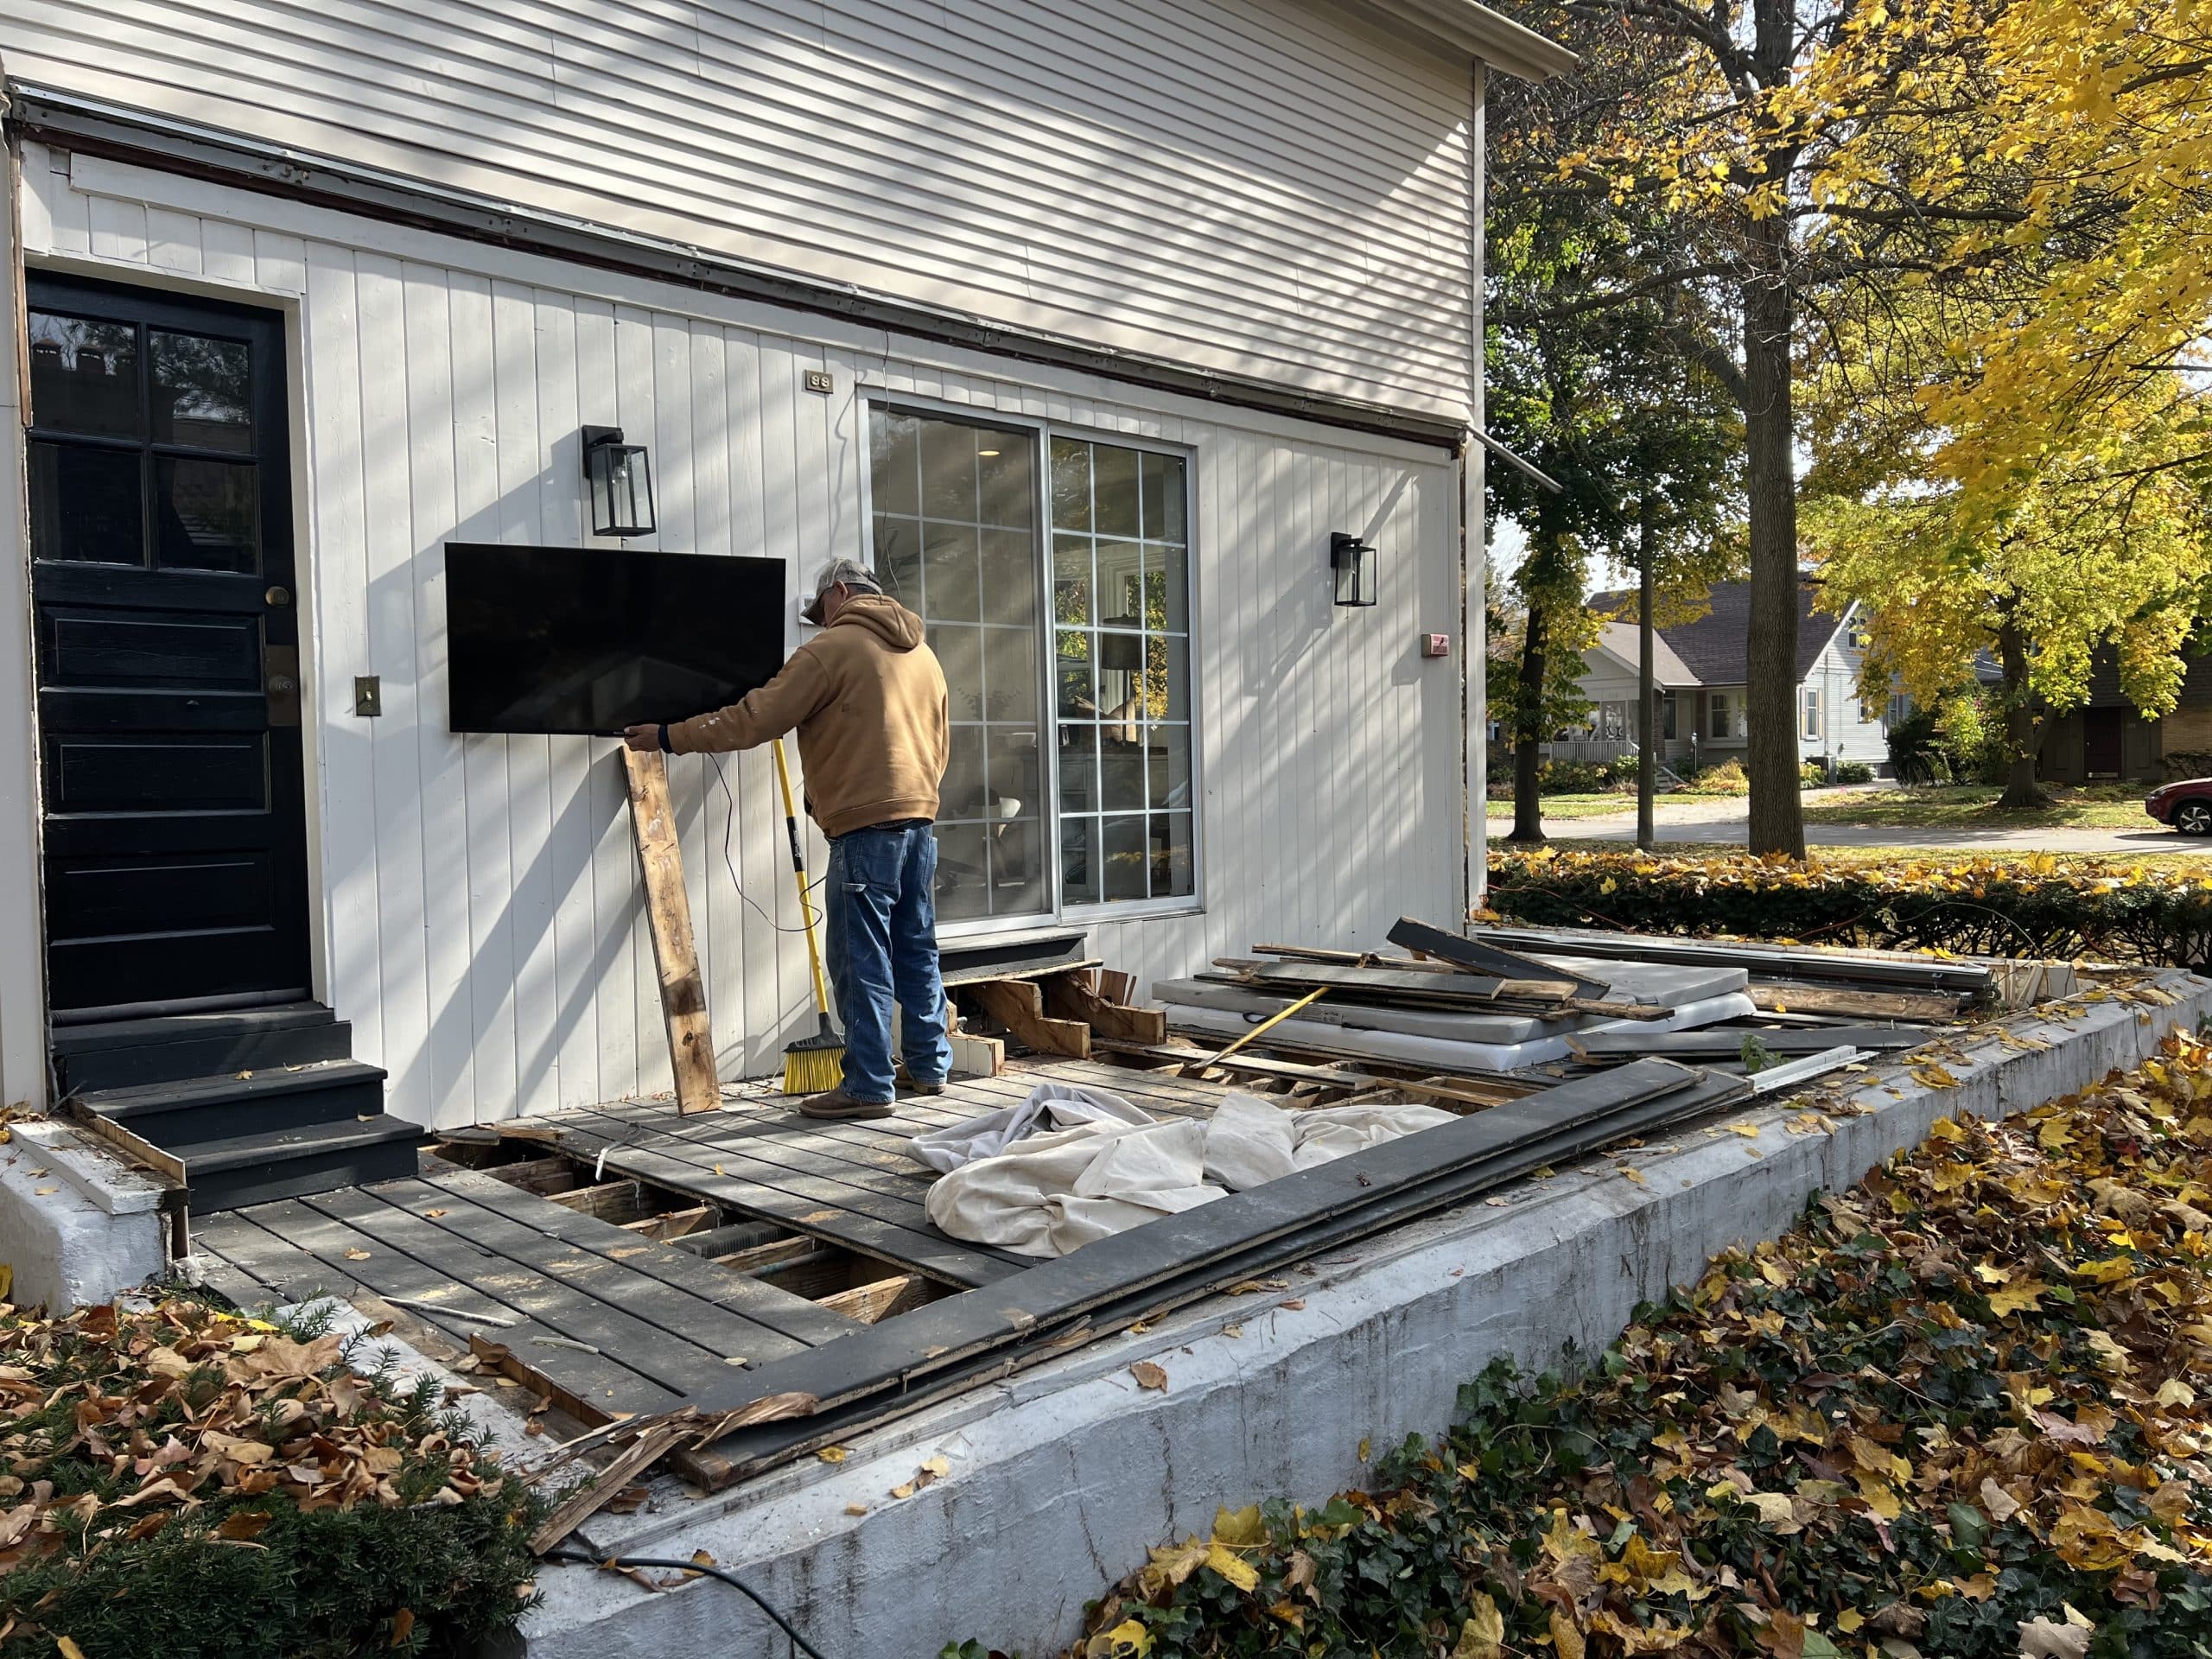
<point x="479" y="918"/>
<point x="1264" y="187"/>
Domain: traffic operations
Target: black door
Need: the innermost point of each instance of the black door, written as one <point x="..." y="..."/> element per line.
<point x="2102" y="736"/>
<point x="167" y="650"/>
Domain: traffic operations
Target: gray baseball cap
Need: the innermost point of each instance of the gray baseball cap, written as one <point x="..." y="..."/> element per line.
<point x="848" y="573"/>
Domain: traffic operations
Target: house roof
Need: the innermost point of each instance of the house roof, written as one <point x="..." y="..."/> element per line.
<point x="1474" y="30"/>
<point x="1713" y="649"/>
<point x="1668" y="671"/>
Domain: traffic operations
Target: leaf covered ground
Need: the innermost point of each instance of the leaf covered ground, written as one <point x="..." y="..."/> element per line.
<point x="1962" y="1410"/>
<point x="182" y="1481"/>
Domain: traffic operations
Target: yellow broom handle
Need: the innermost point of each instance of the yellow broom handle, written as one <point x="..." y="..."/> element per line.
<point x="798" y="874"/>
<point x="1200" y="1063"/>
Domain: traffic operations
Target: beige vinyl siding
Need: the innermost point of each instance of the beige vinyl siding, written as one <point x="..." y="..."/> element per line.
<point x="1260" y="187"/>
<point x="479" y="919"/>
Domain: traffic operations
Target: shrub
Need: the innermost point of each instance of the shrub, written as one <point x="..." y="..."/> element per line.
<point x="1971" y="907"/>
<point x="1853" y="771"/>
<point x="1726" y="778"/>
<point x="1916" y="757"/>
<point x="1572" y="778"/>
<point x="1811" y="774"/>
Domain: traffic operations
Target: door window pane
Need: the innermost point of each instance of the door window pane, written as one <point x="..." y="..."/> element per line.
<point x="205" y="514"/>
<point x="83" y="376"/>
<point x="200" y="392"/>
<point x="1120" y="518"/>
<point x="85" y="504"/>
<point x="956" y="541"/>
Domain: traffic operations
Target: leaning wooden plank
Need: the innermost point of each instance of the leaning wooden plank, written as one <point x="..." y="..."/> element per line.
<point x="667" y="917"/>
<point x="1474" y="956"/>
<point x="651" y="1444"/>
<point x="756" y="1449"/>
<point x="344" y="1261"/>
<point x="1019" y="1005"/>
<point x="950" y="1329"/>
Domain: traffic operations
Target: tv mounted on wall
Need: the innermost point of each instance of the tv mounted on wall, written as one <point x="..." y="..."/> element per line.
<point x="590" y="639"/>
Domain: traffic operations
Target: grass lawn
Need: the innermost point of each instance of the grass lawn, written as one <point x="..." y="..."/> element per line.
<point x="1608" y="804"/>
<point x="2097" y="806"/>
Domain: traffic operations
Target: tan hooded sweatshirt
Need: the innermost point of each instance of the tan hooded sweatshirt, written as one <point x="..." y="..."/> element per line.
<point x="868" y="701"/>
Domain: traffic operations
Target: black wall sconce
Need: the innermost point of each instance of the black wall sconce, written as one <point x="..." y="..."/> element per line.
<point x="621" y="478"/>
<point x="1352" y="560"/>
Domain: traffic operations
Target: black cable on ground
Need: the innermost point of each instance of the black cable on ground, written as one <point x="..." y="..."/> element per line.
<point x="585" y="1558"/>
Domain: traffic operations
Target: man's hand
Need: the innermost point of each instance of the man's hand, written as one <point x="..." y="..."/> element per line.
<point x="644" y="739"/>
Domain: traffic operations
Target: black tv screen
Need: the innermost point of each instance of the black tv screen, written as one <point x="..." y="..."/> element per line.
<point x="593" y="639"/>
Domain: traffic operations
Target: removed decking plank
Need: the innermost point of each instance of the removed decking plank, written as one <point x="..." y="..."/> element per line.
<point x="1474" y="955"/>
<point x="607" y="1386"/>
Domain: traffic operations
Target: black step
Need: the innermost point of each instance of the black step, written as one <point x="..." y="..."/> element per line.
<point x="294" y="1163"/>
<point x="123" y="1054"/>
<point x="182" y="1116"/>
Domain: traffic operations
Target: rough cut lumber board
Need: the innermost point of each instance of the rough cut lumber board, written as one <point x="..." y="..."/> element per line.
<point x="1460" y="1090"/>
<point x="1019" y="1005"/>
<point x="1116" y="986"/>
<point x="979" y="1057"/>
<point x="872" y="1303"/>
<point x="668" y="915"/>
<point x="1857" y="1005"/>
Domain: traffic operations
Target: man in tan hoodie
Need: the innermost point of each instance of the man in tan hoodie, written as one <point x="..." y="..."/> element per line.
<point x="868" y="701"/>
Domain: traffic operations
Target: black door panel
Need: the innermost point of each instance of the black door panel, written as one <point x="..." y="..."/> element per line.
<point x="163" y="566"/>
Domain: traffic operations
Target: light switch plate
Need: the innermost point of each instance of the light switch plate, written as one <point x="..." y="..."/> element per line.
<point x="368" y="694"/>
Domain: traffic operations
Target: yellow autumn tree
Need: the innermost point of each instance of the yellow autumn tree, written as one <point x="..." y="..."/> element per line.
<point x="2013" y="422"/>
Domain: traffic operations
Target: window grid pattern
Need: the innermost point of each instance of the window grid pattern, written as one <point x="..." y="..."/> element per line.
<point x="1121" y="647"/>
<point x="955" y="526"/>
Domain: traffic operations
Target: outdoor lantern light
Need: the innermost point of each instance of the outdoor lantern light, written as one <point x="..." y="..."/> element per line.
<point x="1353" y="562"/>
<point x="621" y="478"/>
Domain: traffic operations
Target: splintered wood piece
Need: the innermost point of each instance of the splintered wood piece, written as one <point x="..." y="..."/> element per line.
<point x="1019" y="1005"/>
<point x="654" y="1441"/>
<point x="1117" y="987"/>
<point x="668" y="914"/>
<point x="1067" y="996"/>
<point x="978" y="1057"/>
<point x="871" y="1303"/>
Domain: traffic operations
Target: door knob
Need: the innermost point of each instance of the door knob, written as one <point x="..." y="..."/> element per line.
<point x="282" y="684"/>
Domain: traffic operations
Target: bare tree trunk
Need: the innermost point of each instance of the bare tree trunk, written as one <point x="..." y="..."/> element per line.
<point x="1528" y="732"/>
<point x="1777" y="822"/>
<point x="2021" y="793"/>
<point x="1647" y="701"/>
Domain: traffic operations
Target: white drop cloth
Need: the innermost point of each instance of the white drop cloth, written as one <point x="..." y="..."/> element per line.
<point x="1111" y="1169"/>
<point x="1050" y="1106"/>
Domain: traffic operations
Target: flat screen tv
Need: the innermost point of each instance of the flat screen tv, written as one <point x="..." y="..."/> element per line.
<point x="593" y="639"/>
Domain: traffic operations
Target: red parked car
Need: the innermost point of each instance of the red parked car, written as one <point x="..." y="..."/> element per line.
<point x="2186" y="805"/>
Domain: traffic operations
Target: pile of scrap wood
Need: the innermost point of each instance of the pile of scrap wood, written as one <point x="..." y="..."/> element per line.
<point x="1055" y="1008"/>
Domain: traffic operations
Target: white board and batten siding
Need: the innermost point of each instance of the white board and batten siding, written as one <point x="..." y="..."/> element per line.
<point x="1266" y="188"/>
<point x="479" y="919"/>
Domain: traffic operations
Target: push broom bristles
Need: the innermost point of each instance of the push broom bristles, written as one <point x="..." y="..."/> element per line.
<point x="812" y="1065"/>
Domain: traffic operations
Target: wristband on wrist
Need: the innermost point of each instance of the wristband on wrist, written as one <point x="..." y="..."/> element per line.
<point x="664" y="749"/>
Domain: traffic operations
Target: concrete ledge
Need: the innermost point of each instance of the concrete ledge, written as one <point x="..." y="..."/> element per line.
<point x="1063" y="1477"/>
<point x="75" y="1226"/>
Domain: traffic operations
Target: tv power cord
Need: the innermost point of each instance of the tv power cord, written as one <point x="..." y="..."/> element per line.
<point x="624" y="1563"/>
<point x="729" y="861"/>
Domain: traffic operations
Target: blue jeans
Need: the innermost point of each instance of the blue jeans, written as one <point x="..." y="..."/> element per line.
<point x="880" y="919"/>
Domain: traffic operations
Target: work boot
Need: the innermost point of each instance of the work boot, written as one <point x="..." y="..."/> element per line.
<point x="837" y="1103"/>
<point x="916" y="1086"/>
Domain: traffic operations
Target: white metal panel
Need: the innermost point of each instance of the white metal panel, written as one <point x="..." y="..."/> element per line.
<point x="1264" y="188"/>
<point x="485" y="933"/>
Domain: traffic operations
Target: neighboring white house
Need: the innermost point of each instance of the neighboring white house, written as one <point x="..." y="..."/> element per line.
<point x="314" y="287"/>
<point x="1698" y="668"/>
